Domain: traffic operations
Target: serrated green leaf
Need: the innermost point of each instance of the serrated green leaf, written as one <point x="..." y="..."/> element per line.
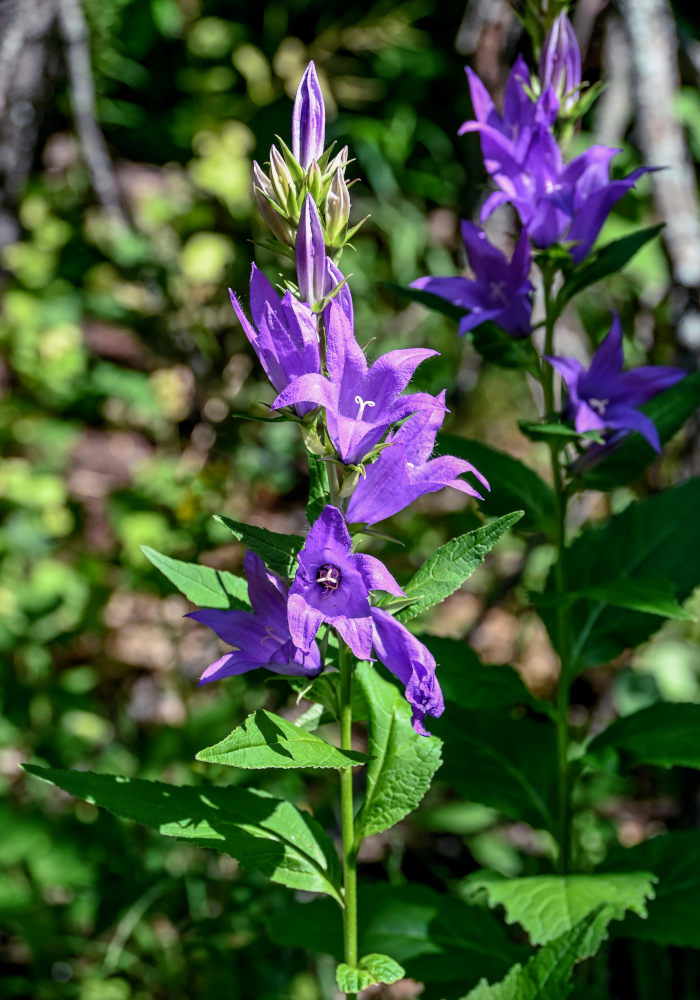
<point x="669" y="410"/>
<point x="674" y="914"/>
<point x="278" y="552"/>
<point x="370" y="970"/>
<point x="609" y="259"/>
<point x="403" y="763"/>
<point x="453" y="563"/>
<point x="318" y="487"/>
<point x="549" y="905"/>
<point x="658" y="538"/>
<point x="204" y="586"/>
<point x="665" y="734"/>
<point x="437" y="938"/>
<point x="512" y="762"/>
<point x="547" y="976"/>
<point x="268" y="740"/>
<point x="513" y="484"/>
<point x="260" y="831"/>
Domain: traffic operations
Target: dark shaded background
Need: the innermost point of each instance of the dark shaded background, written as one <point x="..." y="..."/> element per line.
<point x="121" y="372"/>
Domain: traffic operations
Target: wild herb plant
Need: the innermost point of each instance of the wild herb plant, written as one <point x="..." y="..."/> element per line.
<point x="323" y="613"/>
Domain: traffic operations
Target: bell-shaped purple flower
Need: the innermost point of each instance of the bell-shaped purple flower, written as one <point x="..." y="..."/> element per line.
<point x="508" y="135"/>
<point x="284" y="334"/>
<point x="605" y="398"/>
<point x="332" y="585"/>
<point x="361" y="403"/>
<point x="560" y="61"/>
<point x="412" y="662"/>
<point x="311" y="255"/>
<point x="500" y="291"/>
<point x="261" y="638"/>
<point x="308" y="119"/>
<point x="405" y="471"/>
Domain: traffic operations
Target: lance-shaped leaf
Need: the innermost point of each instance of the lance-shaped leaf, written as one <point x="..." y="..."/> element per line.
<point x="268" y="740"/>
<point x="513" y="484"/>
<point x="452" y="564"/>
<point x="403" y="762"/>
<point x="437" y="938"/>
<point x="549" y="905"/>
<point x="658" y="538"/>
<point x="370" y="970"/>
<point x="674" y="914"/>
<point x="259" y="830"/>
<point x="277" y="551"/>
<point x="547" y="975"/>
<point x="665" y="734"/>
<point x="319" y="492"/>
<point x="207" y="587"/>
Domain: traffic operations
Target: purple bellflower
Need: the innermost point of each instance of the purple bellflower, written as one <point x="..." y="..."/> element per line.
<point x="283" y="336"/>
<point x="361" y="403"/>
<point x="557" y="201"/>
<point x="500" y="292"/>
<point x="605" y="398"/>
<point x="332" y="585"/>
<point x="412" y="662"/>
<point x="405" y="471"/>
<point x="308" y="119"/>
<point x="312" y="276"/>
<point x="560" y="62"/>
<point x="508" y="134"/>
<point x="260" y="638"/>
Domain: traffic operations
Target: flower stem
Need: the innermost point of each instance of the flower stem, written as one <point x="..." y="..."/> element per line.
<point x="562" y="617"/>
<point x="347" y="815"/>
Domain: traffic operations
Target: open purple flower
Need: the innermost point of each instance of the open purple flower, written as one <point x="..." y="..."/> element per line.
<point x="361" y="403"/>
<point x="605" y="398"/>
<point x="557" y="201"/>
<point x="308" y="119"/>
<point x="500" y="291"/>
<point x="332" y="585"/>
<point x="405" y="471"/>
<point x="508" y="135"/>
<point x="412" y="662"/>
<point x="560" y="62"/>
<point x="284" y="336"/>
<point x="261" y="638"/>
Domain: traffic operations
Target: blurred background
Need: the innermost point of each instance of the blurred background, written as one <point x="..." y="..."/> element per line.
<point x="127" y="135"/>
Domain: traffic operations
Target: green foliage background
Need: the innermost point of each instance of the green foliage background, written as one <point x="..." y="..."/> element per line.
<point x="121" y="373"/>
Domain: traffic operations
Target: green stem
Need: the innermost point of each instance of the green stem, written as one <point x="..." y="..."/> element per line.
<point x="562" y="617"/>
<point x="347" y="815"/>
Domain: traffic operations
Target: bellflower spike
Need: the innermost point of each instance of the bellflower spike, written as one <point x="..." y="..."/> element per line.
<point x="311" y="254"/>
<point x="261" y="638"/>
<point x="500" y="292"/>
<point x="508" y="135"/>
<point x="605" y="398"/>
<point x="284" y="336"/>
<point x="308" y="119"/>
<point x="332" y="585"/>
<point x="405" y="471"/>
<point x="412" y="662"/>
<point x="560" y="62"/>
<point x="361" y="403"/>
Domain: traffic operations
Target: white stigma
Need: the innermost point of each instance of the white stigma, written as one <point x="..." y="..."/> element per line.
<point x="271" y="635"/>
<point x="362" y="403"/>
<point x="598" y="405"/>
<point x="497" y="292"/>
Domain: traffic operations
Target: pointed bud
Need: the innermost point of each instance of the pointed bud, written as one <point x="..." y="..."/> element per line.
<point x="339" y="161"/>
<point x="264" y="196"/>
<point x="337" y="210"/>
<point x="308" y="119"/>
<point x="311" y="254"/>
<point x="560" y="62"/>
<point x="279" y="175"/>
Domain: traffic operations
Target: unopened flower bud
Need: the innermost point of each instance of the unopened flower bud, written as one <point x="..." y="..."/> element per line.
<point x="339" y="161"/>
<point x="264" y="195"/>
<point x="337" y="210"/>
<point x="308" y="119"/>
<point x="560" y="62"/>
<point x="280" y="176"/>
<point x="310" y="254"/>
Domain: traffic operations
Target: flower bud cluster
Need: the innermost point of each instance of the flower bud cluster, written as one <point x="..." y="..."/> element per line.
<point x="308" y="169"/>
